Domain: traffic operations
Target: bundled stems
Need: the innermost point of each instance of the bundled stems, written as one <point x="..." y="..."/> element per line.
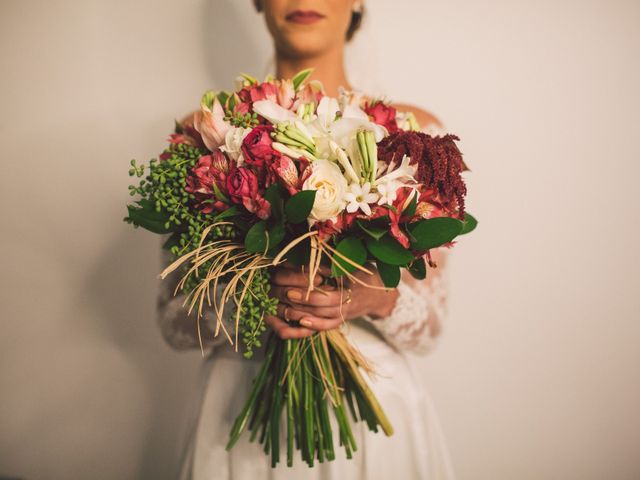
<point x="301" y="378"/>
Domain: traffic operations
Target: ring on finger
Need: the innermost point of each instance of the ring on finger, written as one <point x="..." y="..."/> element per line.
<point x="348" y="294"/>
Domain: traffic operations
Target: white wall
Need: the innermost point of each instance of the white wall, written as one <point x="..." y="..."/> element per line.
<point x="537" y="374"/>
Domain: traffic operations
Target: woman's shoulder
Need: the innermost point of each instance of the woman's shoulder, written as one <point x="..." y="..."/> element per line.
<point x="425" y="119"/>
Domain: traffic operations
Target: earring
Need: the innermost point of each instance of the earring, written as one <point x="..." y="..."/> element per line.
<point x="259" y="5"/>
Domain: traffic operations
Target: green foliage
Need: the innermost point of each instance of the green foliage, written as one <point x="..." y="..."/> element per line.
<point x="390" y="274"/>
<point x="418" y="269"/>
<point x="434" y="232"/>
<point x="353" y="249"/>
<point x="372" y="229"/>
<point x="300" y="77"/>
<point x="298" y="207"/>
<point x="166" y="207"/>
<point x="470" y="224"/>
<point x="388" y="250"/>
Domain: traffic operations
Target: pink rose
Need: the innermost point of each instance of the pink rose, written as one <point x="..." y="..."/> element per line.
<point x="242" y="185"/>
<point x="211" y="170"/>
<point x="382" y="114"/>
<point x="257" y="146"/>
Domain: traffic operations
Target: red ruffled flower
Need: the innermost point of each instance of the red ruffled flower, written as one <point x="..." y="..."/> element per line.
<point x="242" y="185"/>
<point x="382" y="114"/>
<point x="209" y="175"/>
<point x="257" y="147"/>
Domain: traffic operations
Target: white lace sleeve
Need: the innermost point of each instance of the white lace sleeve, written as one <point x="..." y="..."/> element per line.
<point x="179" y="329"/>
<point x="421" y="307"/>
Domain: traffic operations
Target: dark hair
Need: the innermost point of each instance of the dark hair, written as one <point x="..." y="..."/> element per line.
<point x="356" y="21"/>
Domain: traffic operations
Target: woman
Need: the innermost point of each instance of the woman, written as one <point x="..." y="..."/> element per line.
<point x="384" y="326"/>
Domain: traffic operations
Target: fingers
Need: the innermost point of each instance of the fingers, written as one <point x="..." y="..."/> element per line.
<point x="307" y="320"/>
<point x="288" y="277"/>
<point x="296" y="313"/>
<point x="286" y="331"/>
<point x="320" y="297"/>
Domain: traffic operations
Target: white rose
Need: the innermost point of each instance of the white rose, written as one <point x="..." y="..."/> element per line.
<point x="233" y="143"/>
<point x="330" y="186"/>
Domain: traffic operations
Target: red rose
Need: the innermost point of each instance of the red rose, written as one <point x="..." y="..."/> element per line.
<point x="242" y="185"/>
<point x="208" y="175"/>
<point x="257" y="146"/>
<point x="382" y="114"/>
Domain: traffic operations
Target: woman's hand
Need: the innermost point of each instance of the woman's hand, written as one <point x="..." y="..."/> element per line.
<point x="327" y="307"/>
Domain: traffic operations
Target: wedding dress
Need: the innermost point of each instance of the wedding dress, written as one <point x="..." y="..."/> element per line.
<point x="416" y="450"/>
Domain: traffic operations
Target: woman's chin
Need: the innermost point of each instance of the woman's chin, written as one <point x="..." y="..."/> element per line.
<point x="306" y="44"/>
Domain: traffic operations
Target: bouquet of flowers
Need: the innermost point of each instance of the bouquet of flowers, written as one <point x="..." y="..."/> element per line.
<point x="278" y="171"/>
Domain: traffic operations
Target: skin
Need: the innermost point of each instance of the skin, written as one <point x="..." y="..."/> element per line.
<point x="321" y="46"/>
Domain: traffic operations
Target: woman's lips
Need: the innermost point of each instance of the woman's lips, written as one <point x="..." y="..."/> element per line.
<point x="304" y="16"/>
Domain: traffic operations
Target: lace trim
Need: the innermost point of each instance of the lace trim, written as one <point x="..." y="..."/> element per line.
<point x="414" y="323"/>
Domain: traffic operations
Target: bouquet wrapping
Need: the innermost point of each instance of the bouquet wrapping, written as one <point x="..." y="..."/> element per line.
<point x="275" y="172"/>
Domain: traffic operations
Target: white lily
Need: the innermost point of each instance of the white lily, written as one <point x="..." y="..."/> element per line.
<point x="358" y="197"/>
<point x="403" y="176"/>
<point x="291" y="152"/>
<point x="344" y="162"/>
<point x="274" y="112"/>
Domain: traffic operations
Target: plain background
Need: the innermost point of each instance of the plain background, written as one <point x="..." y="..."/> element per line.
<point x="537" y="373"/>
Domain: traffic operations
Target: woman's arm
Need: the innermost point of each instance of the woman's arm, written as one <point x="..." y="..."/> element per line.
<point x="180" y="330"/>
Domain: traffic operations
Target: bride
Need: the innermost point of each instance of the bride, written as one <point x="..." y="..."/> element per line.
<point x="384" y="326"/>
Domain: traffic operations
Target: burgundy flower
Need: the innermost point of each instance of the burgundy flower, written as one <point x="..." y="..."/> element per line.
<point x="257" y="146"/>
<point x="242" y="185"/>
<point x="382" y="114"/>
<point x="207" y="182"/>
<point x="439" y="164"/>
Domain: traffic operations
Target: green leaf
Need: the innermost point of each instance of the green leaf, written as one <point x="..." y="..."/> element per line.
<point x="300" y="77"/>
<point x="249" y="78"/>
<point x="274" y="195"/>
<point x="372" y="230"/>
<point x="276" y="235"/>
<point x="388" y="250"/>
<point x="300" y="254"/>
<point x="418" y="269"/>
<point x="223" y="97"/>
<point x="410" y="211"/>
<point x="260" y="239"/>
<point x="172" y="241"/>
<point x="470" y="224"/>
<point x="256" y="239"/>
<point x="390" y="274"/>
<point x="228" y="213"/>
<point x="434" y="232"/>
<point x="298" y="207"/>
<point x="353" y="249"/>
<point x="144" y="215"/>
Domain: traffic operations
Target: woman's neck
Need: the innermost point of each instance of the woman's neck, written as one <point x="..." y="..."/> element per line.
<point x="328" y="68"/>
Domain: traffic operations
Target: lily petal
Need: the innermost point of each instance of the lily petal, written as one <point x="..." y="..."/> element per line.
<point x="273" y="112"/>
